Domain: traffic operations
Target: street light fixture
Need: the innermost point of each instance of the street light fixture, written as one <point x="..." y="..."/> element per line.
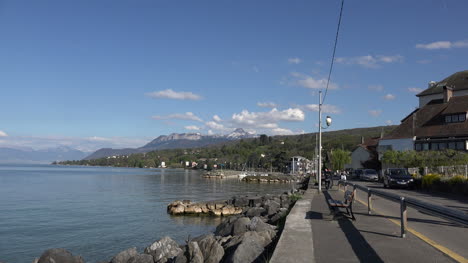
<point x="328" y="121"/>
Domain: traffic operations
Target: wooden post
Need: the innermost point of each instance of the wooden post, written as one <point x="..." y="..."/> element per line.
<point x="369" y="201"/>
<point x="403" y="215"/>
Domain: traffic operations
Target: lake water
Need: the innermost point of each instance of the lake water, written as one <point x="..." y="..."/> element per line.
<point x="97" y="212"/>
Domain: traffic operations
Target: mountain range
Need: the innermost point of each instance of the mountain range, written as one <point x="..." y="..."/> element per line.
<point x="174" y="141"/>
<point x="26" y="155"/>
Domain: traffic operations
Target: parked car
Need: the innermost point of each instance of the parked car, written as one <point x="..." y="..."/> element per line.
<point x="397" y="177"/>
<point x="369" y="175"/>
<point x="357" y="173"/>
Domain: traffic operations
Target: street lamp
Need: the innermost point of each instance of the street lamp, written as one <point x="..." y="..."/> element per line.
<point x="328" y="121"/>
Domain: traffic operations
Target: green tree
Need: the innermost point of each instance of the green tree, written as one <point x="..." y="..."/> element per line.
<point x="339" y="158"/>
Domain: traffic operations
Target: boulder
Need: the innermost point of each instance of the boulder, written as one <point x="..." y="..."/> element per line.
<point x="193" y="209"/>
<point x="141" y="258"/>
<point x="205" y="209"/>
<point x="240" y="201"/>
<point x="194" y="254"/>
<point x="281" y="213"/>
<point x="125" y="255"/>
<point x="272" y="207"/>
<point x="248" y="248"/>
<point x="211" y="206"/>
<point x="177" y="210"/>
<point x="255" y="211"/>
<point x="225" y="228"/>
<point x="61" y="255"/>
<point x="212" y="251"/>
<point x="216" y="212"/>
<point x="240" y="226"/>
<point x="230" y="210"/>
<point x="163" y="250"/>
<point x="256" y="224"/>
<point x="219" y="205"/>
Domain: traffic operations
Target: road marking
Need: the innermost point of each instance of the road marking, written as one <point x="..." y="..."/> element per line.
<point x="429" y="241"/>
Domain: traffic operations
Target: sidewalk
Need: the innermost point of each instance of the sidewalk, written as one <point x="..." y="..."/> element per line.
<point x="367" y="239"/>
<point x="313" y="233"/>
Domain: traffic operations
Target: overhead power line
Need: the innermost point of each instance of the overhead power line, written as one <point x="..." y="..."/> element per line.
<point x="334" y="51"/>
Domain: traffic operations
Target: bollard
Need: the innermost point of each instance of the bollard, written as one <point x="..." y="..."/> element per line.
<point x="403" y="215"/>
<point x="369" y="201"/>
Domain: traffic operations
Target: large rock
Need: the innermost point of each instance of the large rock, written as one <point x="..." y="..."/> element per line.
<point x="257" y="224"/>
<point x="246" y="248"/>
<point x="141" y="258"/>
<point x="163" y="249"/>
<point x="240" y="226"/>
<point x="194" y="254"/>
<point x="225" y="228"/>
<point x="125" y="255"/>
<point x="272" y="207"/>
<point x="56" y="255"/>
<point x="193" y="209"/>
<point x="281" y="213"/>
<point x="177" y="210"/>
<point x="255" y="211"/>
<point x="240" y="201"/>
<point x="212" y="251"/>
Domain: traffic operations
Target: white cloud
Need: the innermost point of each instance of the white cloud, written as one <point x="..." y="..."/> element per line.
<point x="256" y="119"/>
<point x="389" y="122"/>
<point x="215" y="126"/>
<point x="217" y="118"/>
<point x="443" y="45"/>
<point x="375" y="113"/>
<point x="282" y="131"/>
<point x="267" y="104"/>
<point x="3" y="134"/>
<point x="376" y="87"/>
<point x="170" y="94"/>
<point x="389" y="97"/>
<point x="369" y="61"/>
<point x="415" y="90"/>
<point x="312" y="83"/>
<point x="210" y="132"/>
<point x="188" y="116"/>
<point x="326" y="108"/>
<point x="192" y="128"/>
<point x="294" y="60"/>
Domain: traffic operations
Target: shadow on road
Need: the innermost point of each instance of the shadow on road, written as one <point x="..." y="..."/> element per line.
<point x="425" y="221"/>
<point x="361" y="248"/>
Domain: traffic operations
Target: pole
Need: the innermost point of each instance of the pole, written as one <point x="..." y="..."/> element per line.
<point x="320" y="144"/>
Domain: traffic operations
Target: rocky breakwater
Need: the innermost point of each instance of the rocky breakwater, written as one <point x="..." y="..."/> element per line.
<point x="274" y="179"/>
<point x="247" y="236"/>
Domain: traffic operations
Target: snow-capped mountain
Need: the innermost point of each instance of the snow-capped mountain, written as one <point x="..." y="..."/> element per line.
<point x="175" y="141"/>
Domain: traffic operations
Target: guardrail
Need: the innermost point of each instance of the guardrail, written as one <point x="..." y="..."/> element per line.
<point x="448" y="213"/>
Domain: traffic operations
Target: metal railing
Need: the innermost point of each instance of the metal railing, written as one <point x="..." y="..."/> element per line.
<point x="447" y="213"/>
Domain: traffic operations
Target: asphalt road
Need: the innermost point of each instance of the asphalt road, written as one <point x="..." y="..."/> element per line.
<point x="442" y="232"/>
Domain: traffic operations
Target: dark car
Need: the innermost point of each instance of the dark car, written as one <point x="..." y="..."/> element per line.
<point x="357" y="173"/>
<point x="397" y="177"/>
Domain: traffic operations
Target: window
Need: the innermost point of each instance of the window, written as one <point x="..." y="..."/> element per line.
<point x="425" y="146"/>
<point x="461" y="146"/>
<point x="417" y="147"/>
<point x="462" y="117"/>
<point x="454" y="118"/>
<point x="448" y="118"/>
<point x="435" y="146"/>
<point x="442" y="146"/>
<point x="451" y="145"/>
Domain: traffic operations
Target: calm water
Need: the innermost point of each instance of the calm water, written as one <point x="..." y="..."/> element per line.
<point x="97" y="212"/>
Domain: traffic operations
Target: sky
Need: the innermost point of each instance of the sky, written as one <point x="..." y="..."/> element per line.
<point x="91" y="74"/>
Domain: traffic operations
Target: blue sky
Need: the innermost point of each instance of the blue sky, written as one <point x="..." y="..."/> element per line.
<point x="118" y="73"/>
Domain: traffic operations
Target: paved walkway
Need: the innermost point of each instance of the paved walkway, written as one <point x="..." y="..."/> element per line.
<point x="316" y="234"/>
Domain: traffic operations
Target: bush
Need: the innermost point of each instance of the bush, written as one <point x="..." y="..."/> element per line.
<point x="458" y="184"/>
<point x="430" y="181"/>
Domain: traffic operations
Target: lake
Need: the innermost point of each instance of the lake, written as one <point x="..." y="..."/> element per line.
<point x="97" y="212"/>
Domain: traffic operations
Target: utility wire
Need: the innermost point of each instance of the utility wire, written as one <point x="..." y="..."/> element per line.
<point x="334" y="51"/>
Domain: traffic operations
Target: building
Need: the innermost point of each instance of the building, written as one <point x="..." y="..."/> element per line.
<point x="440" y="121"/>
<point x="365" y="155"/>
<point x="300" y="165"/>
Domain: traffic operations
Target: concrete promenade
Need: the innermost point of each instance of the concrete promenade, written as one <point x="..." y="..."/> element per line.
<point x="315" y="233"/>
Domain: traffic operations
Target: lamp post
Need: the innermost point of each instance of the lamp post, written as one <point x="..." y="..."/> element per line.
<point x="328" y="122"/>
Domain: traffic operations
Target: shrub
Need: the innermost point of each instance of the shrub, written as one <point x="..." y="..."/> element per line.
<point x="458" y="184"/>
<point x="430" y="180"/>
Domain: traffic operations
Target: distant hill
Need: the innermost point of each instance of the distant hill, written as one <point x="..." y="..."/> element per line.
<point x="174" y="141"/>
<point x="13" y="155"/>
